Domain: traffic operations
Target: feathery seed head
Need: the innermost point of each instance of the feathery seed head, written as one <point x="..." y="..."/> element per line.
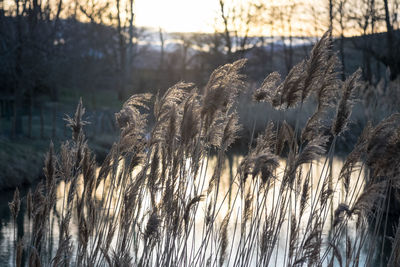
<point x="346" y="103"/>
<point x="15" y="205"/>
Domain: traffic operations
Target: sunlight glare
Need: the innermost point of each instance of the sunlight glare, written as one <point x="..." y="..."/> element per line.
<point x="177" y="15"/>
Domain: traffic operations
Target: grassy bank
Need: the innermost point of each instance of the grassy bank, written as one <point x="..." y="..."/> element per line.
<point x="21" y="161"/>
<point x="21" y="158"/>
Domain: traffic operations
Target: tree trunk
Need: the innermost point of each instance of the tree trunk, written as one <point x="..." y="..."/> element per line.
<point x="392" y="56"/>
<point x="30" y="113"/>
<point x="184" y="59"/>
<point x="389" y="33"/>
<point x="341" y="44"/>
<point x="41" y="123"/>
<point x="161" y="35"/>
<point x="122" y="56"/>
<point x="54" y="126"/>
<point x="341" y="51"/>
<point x="131" y="32"/>
<point x="14" y="119"/>
<point x="17" y="120"/>
<point x="331" y="14"/>
<point x="1" y="113"/>
<point x="228" y="41"/>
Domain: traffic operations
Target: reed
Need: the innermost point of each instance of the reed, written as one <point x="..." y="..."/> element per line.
<point x="152" y="203"/>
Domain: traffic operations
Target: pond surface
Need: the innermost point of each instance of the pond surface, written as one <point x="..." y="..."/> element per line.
<point x="229" y="171"/>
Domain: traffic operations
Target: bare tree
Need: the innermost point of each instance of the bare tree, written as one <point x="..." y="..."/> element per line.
<point x="341" y="20"/>
<point x="285" y="15"/>
<point x="225" y="19"/>
<point x="392" y="57"/>
<point x="162" y="49"/>
<point x="370" y="17"/>
<point x="121" y="67"/>
<point x="16" y="122"/>
<point x="239" y="21"/>
<point x="331" y="7"/>
<point x="126" y="35"/>
<point x="27" y="43"/>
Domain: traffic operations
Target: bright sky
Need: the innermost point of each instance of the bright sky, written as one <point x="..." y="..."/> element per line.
<point x="199" y="15"/>
<point x="177" y="15"/>
<point x="170" y="15"/>
<point x="202" y="15"/>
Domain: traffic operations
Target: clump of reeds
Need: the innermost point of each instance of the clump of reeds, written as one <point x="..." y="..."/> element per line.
<point x="152" y="203"/>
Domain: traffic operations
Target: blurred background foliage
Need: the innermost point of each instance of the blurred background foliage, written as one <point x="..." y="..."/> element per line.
<point x="52" y="52"/>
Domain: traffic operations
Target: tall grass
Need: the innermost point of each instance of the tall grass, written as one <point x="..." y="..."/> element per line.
<point x="151" y="202"/>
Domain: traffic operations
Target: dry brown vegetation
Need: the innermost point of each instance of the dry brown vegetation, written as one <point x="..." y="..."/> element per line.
<point x="151" y="203"/>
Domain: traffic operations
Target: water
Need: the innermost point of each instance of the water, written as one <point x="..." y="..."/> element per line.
<point x="229" y="171"/>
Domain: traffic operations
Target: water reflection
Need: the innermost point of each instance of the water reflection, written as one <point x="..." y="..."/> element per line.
<point x="229" y="171"/>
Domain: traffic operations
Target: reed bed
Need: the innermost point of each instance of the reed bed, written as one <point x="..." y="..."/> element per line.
<point x="151" y="202"/>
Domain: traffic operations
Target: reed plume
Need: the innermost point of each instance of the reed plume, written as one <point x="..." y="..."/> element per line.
<point x="15" y="205"/>
<point x="76" y="123"/>
<point x="223" y="86"/>
<point x="153" y="202"/>
<point x="266" y="92"/>
<point x="346" y="103"/>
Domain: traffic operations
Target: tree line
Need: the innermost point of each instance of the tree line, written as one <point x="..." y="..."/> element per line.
<point x="48" y="47"/>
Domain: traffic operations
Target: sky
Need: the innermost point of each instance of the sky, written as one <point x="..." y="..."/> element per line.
<point x="177" y="15"/>
<point x="170" y="15"/>
<point x="195" y="15"/>
<point x="200" y="15"/>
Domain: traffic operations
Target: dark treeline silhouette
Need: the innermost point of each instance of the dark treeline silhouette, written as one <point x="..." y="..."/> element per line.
<point x="47" y="48"/>
<point x="53" y="52"/>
